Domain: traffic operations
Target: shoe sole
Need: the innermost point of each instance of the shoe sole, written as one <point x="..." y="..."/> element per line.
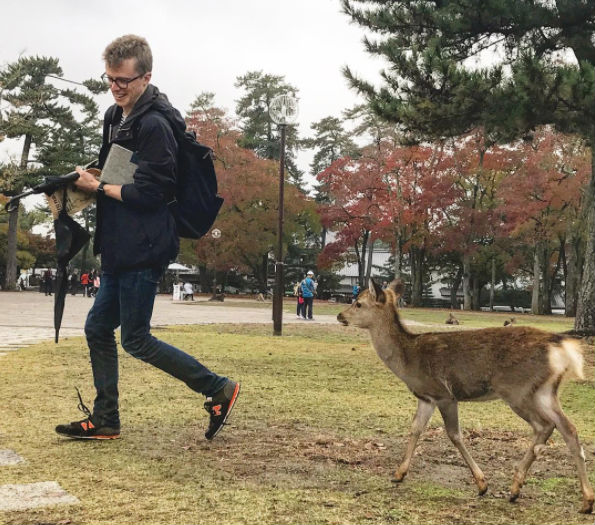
<point x="234" y="398"/>
<point x="117" y="436"/>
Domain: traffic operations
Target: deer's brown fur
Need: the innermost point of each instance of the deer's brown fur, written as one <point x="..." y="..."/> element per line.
<point x="521" y="365"/>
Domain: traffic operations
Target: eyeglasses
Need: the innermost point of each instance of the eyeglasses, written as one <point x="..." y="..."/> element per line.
<point x="122" y="83"/>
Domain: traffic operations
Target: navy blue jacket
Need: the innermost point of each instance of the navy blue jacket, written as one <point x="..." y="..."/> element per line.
<point x="140" y="231"/>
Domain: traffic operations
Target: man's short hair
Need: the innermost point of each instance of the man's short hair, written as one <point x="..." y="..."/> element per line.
<point x="130" y="46"/>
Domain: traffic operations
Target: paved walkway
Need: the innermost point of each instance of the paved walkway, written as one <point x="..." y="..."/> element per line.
<point x="28" y="317"/>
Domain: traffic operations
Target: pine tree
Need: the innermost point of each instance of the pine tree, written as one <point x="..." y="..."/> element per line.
<point x="538" y="68"/>
<point x="42" y="115"/>
<point x="330" y="142"/>
<point x="260" y="133"/>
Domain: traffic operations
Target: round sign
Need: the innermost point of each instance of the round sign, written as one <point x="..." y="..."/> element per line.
<point x="284" y="109"/>
<point x="216" y="233"/>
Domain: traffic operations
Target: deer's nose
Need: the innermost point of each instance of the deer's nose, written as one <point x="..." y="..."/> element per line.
<point x="341" y="319"/>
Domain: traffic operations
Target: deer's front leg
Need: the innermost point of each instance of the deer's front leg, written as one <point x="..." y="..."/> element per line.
<point x="425" y="409"/>
<point x="450" y="415"/>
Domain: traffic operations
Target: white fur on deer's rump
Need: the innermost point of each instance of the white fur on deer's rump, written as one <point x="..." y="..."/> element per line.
<point x="567" y="357"/>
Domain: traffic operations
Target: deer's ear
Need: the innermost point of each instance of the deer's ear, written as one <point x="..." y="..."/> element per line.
<point x="376" y="292"/>
<point x="398" y="287"/>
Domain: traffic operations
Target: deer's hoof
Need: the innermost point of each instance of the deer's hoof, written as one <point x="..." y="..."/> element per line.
<point x="482" y="489"/>
<point x="513" y="496"/>
<point x="587" y="507"/>
<point x="398" y="477"/>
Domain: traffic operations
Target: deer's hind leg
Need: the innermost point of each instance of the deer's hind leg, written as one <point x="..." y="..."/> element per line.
<point x="546" y="402"/>
<point x="424" y="412"/>
<point x="542" y="430"/>
<point x="450" y="415"/>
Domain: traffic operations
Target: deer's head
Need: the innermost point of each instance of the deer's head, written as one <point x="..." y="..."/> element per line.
<point x="372" y="304"/>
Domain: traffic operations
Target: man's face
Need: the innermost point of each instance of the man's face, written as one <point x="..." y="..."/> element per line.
<point x="127" y="97"/>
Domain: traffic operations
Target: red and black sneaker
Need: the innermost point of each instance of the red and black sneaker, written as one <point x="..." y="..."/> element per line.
<point x="220" y="406"/>
<point x="86" y="429"/>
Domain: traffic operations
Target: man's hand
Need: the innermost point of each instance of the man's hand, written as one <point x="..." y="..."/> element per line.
<point x="86" y="182"/>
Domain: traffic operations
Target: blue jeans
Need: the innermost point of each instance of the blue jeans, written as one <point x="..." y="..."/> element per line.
<point x="307" y="307"/>
<point x="126" y="299"/>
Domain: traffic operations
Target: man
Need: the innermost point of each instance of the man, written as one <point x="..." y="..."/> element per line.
<point x="188" y="291"/>
<point x="308" y="289"/>
<point x="85" y="284"/>
<point x="136" y="237"/>
<point x="47" y="282"/>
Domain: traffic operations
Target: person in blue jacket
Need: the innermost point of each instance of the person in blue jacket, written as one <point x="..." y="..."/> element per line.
<point x="136" y="236"/>
<point x="308" y="291"/>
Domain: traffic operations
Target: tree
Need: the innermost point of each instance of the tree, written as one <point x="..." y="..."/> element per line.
<point x="42" y="115"/>
<point x="547" y="183"/>
<point x="542" y="57"/>
<point x="259" y="132"/>
<point x="330" y="142"/>
<point x="249" y="185"/>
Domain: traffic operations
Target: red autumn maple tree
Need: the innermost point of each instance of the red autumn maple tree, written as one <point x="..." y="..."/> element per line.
<point x="250" y="188"/>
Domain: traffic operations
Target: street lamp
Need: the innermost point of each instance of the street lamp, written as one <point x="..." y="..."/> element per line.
<point x="215" y="234"/>
<point x="283" y="112"/>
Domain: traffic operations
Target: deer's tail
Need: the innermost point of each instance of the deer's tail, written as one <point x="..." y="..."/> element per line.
<point x="567" y="358"/>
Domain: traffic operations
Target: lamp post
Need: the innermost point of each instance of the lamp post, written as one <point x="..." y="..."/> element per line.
<point x="283" y="112"/>
<point x="216" y="235"/>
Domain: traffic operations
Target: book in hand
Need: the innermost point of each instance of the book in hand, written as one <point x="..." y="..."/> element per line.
<point x="119" y="166"/>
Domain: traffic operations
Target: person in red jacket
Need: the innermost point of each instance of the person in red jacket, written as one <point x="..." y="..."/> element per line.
<point x="85" y="283"/>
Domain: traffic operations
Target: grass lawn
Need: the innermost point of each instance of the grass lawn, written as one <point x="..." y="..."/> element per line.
<point x="317" y="432"/>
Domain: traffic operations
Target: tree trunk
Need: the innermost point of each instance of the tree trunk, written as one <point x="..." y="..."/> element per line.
<point x="454" y="290"/>
<point x="571" y="275"/>
<point x="203" y="278"/>
<point x="323" y="238"/>
<point x="397" y="258"/>
<point x="536" y="304"/>
<point x="547" y="279"/>
<point x="264" y="274"/>
<point x="476" y="299"/>
<point x="466" y="281"/>
<point x="361" y="259"/>
<point x="10" y="281"/>
<point x="492" y="284"/>
<point x="369" y="265"/>
<point x="585" y="309"/>
<point x="416" y="276"/>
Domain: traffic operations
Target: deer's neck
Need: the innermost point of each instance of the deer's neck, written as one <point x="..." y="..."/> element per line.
<point x="393" y="342"/>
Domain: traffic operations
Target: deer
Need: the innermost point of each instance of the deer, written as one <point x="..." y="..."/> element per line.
<point x="521" y="365"/>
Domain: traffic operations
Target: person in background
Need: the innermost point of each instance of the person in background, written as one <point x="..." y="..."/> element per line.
<point x="354" y="293"/>
<point x="47" y="282"/>
<point x="308" y="289"/>
<point x="85" y="283"/>
<point x="73" y="283"/>
<point x="297" y="291"/>
<point x="96" y="282"/>
<point x="188" y="291"/>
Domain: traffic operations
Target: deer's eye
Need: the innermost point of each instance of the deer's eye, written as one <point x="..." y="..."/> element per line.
<point x="358" y="305"/>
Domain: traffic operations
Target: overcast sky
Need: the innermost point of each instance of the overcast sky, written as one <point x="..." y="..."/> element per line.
<point x="201" y="45"/>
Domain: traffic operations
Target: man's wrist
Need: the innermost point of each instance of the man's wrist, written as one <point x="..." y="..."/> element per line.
<point x="100" y="188"/>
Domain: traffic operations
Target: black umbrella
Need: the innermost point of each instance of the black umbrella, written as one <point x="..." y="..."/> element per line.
<point x="70" y="238"/>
